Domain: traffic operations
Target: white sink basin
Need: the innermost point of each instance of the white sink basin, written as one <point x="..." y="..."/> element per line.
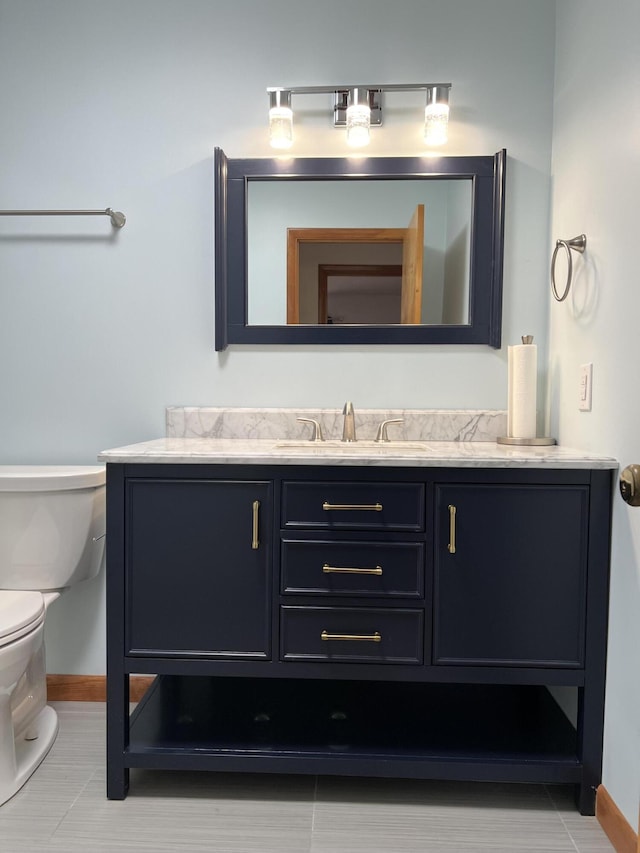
<point x="368" y="446"/>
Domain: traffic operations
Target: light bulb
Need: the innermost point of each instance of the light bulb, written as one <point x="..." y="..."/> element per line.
<point x="281" y="127"/>
<point x="436" y="124"/>
<point x="436" y="115"/>
<point x="358" y="118"/>
<point x="280" y="119"/>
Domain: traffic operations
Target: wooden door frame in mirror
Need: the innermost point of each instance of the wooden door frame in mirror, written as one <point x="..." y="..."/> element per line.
<point x="231" y="181"/>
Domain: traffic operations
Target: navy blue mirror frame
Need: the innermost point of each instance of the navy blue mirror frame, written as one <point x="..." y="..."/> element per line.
<point x="231" y="178"/>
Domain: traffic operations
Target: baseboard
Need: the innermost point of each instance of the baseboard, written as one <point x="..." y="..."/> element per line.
<point x="91" y="688"/>
<point x="615" y="824"/>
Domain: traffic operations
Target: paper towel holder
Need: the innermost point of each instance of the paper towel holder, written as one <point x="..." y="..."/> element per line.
<point x="577" y="244"/>
<point x="541" y="441"/>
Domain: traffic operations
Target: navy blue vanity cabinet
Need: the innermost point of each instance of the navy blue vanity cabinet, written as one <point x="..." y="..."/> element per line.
<point x="372" y="620"/>
<point x="510" y="575"/>
<point x="198" y="568"/>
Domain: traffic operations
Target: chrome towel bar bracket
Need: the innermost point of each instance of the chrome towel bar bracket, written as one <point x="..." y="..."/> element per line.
<point x="118" y="219"/>
<point x="577" y="244"/>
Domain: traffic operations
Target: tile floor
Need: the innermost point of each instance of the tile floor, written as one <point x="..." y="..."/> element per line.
<point x="63" y="807"/>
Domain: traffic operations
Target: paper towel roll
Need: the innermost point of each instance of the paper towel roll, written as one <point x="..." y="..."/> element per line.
<point x="522" y="371"/>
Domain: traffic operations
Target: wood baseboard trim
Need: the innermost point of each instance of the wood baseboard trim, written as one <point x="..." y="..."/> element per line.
<point x="617" y="827"/>
<point x="91" y="688"/>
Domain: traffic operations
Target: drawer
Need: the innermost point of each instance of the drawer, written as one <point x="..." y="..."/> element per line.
<point x="353" y="506"/>
<point x="352" y="568"/>
<point x="357" y="634"/>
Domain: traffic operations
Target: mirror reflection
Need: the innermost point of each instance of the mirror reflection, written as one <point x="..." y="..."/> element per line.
<point x="360" y="252"/>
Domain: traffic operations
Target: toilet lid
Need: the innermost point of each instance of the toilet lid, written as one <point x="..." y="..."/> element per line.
<point x="20" y="612"/>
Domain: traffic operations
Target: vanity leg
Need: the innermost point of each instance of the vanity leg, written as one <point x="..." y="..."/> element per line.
<point x="117" y="678"/>
<point x="117" y="735"/>
<point x="117" y="788"/>
<point x="590" y="734"/>
<point x="585" y="799"/>
<point x="591" y="695"/>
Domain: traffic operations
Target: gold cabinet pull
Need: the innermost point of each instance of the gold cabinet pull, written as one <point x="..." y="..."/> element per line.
<point x="376" y="637"/>
<point x="255" y="541"/>
<point x="348" y="570"/>
<point x="452" y="529"/>
<point x="376" y="507"/>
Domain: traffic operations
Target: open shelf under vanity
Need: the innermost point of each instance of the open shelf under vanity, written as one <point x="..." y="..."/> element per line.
<point x="447" y="731"/>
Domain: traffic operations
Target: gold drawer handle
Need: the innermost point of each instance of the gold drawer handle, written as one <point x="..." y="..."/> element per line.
<point x="376" y="637"/>
<point x="255" y="541"/>
<point x="452" y="529"/>
<point x="376" y="507"/>
<point x="346" y="570"/>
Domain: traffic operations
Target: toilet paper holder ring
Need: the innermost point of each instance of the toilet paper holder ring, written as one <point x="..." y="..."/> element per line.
<point x="577" y="244"/>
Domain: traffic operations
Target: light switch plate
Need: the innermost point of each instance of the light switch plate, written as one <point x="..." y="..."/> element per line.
<point x="585" y="387"/>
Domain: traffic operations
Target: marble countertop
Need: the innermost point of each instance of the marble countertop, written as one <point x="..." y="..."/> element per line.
<point x="419" y="454"/>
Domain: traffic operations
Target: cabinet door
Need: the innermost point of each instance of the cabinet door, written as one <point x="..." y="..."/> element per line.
<point x="198" y="568"/>
<point x="509" y="583"/>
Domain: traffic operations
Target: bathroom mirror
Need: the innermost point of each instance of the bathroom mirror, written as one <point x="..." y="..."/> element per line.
<point x="359" y="251"/>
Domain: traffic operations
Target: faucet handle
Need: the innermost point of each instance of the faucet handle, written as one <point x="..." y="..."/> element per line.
<point x="382" y="434"/>
<point x="348" y="408"/>
<point x="316" y="435"/>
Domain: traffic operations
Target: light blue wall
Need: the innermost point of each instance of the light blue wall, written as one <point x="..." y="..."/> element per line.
<point x="121" y="103"/>
<point x="596" y="185"/>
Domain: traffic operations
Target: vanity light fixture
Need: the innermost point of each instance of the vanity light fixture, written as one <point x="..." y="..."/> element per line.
<point x="358" y="108"/>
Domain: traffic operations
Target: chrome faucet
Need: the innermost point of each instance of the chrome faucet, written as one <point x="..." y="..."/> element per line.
<point x="349" y="428"/>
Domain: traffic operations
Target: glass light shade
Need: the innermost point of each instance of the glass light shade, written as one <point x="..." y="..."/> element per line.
<point x="281" y="127"/>
<point x="436" y="123"/>
<point x="358" y="123"/>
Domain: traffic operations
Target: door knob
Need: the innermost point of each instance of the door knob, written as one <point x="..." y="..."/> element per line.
<point x="630" y="485"/>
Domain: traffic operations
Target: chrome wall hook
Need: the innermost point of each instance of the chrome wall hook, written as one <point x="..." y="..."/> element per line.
<point x="577" y="244"/>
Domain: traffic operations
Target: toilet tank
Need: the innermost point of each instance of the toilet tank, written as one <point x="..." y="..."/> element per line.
<point x="52" y="524"/>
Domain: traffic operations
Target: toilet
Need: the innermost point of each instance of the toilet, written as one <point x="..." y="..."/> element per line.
<point x="52" y="524"/>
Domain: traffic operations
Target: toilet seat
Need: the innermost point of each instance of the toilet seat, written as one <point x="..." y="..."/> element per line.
<point x="20" y="613"/>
